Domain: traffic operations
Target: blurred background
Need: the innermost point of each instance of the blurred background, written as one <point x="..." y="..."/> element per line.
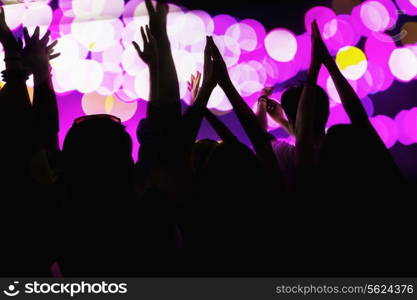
<point x="265" y="43"/>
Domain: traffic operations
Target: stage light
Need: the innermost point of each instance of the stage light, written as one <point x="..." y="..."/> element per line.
<point x="321" y="14"/>
<point x="352" y="62"/>
<point x="94" y="103"/>
<point x="96" y="35"/>
<point x="374" y="16"/>
<point x="111" y="83"/>
<point x="112" y="58"/>
<point x="70" y="53"/>
<point x="403" y="64"/>
<point x="411" y="124"/>
<point x="37" y="14"/>
<point x="219" y="103"/>
<point x="88" y="9"/>
<point x="404" y="121"/>
<point x="303" y="55"/>
<point x="244" y="35"/>
<point x="131" y="61"/>
<point x="339" y="33"/>
<point x="14" y="14"/>
<point x="87" y="75"/>
<point x="193" y="29"/>
<point x="222" y="23"/>
<point x="281" y="45"/>
<point x="409" y="7"/>
<point x="246" y="79"/>
<point x="207" y="20"/>
<point x="128" y="92"/>
<point x="229" y="48"/>
<point x="386" y="128"/>
<point x="141" y="85"/>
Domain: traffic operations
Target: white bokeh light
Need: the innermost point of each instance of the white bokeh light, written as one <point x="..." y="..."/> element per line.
<point x="87" y="76"/>
<point x="403" y="64"/>
<point x="281" y="45"/>
<point x="37" y="14"/>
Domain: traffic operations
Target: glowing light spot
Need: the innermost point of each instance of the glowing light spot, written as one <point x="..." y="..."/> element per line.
<point x="352" y="62"/>
<point x="88" y="9"/>
<point x="339" y="33"/>
<point x="194" y="29"/>
<point x="403" y="64"/>
<point x="70" y="53"/>
<point x="321" y="14"/>
<point x="141" y="85"/>
<point x="14" y="14"/>
<point x="281" y="45"/>
<point x="404" y="122"/>
<point x="87" y="76"/>
<point x="131" y="62"/>
<point x="374" y="16"/>
<point x="37" y="14"/>
<point x="94" y="35"/>
<point x="386" y="129"/>
<point x="218" y="102"/>
<point x="244" y="34"/>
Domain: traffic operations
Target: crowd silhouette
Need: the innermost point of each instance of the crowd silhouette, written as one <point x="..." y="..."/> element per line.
<point x="333" y="203"/>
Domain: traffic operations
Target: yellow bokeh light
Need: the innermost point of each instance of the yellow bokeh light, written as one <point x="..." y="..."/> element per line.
<point x="352" y="62"/>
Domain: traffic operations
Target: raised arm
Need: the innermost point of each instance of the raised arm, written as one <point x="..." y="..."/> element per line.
<point x="350" y="100"/>
<point x="193" y="116"/>
<point x="150" y="56"/>
<point x="36" y="56"/>
<point x="304" y="126"/>
<point x="14" y="98"/>
<point x="354" y="108"/>
<point x="257" y="135"/>
<point x="168" y="83"/>
<point x="221" y="129"/>
<point x="261" y="109"/>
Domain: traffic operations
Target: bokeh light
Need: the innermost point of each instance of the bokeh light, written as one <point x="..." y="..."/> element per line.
<point x="403" y="64"/>
<point x="352" y="62"/>
<point x="100" y="71"/>
<point x="281" y="45"/>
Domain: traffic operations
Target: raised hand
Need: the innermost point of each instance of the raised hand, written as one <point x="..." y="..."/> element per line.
<point x="220" y="71"/>
<point x="321" y="54"/>
<point x="6" y="36"/>
<point x="149" y="54"/>
<point x="209" y="76"/>
<point x="157" y="17"/>
<point x="36" y="54"/>
<point x="194" y="86"/>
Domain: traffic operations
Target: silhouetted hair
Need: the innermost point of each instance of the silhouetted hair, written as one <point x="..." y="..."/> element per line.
<point x="291" y="98"/>
<point x="97" y="148"/>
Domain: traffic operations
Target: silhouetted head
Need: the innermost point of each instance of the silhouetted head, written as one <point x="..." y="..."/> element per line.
<point x="201" y="153"/>
<point x="232" y="170"/>
<point x="291" y="98"/>
<point x="97" y="151"/>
